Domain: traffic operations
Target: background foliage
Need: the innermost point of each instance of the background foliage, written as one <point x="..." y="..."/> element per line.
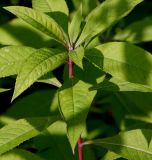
<point x="110" y="113"/>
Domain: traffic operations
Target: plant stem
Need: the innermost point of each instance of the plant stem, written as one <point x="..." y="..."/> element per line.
<point x="80" y="151"/>
<point x="70" y="67"/>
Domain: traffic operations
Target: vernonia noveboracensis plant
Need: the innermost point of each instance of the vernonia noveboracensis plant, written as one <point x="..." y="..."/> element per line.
<point x="90" y="67"/>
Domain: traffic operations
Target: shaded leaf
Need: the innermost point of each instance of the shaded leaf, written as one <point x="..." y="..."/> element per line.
<point x="21" y="130"/>
<point x="119" y="85"/>
<point x="139" y="31"/>
<point x="12" y="58"/>
<point x="133" y="145"/>
<point x="103" y="16"/>
<point x="75" y="100"/>
<point x="40" y="21"/>
<point x="38" y="64"/>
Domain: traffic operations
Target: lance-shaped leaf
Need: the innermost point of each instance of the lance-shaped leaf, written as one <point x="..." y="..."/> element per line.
<point x="139" y="31"/>
<point x="103" y="16"/>
<point x="133" y="145"/>
<point x="51" y="6"/>
<point x="77" y="56"/>
<point x="49" y="78"/>
<point x="3" y="90"/>
<point x="38" y="64"/>
<point x="123" y="61"/>
<point x="75" y="100"/>
<point x="21" y="130"/>
<point x="13" y="33"/>
<point x="40" y="21"/>
<point x="20" y="155"/>
<point x="12" y="58"/>
<point x="74" y="26"/>
<point x="115" y="84"/>
<point x="111" y="156"/>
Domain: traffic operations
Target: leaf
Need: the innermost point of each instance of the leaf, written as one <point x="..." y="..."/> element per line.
<point x="88" y="6"/>
<point x="123" y="61"/>
<point x="49" y="78"/>
<point x="110" y="156"/>
<point x="40" y="21"/>
<point x="13" y="33"/>
<point x="36" y="104"/>
<point x="51" y="6"/>
<point x="12" y="58"/>
<point x="74" y="26"/>
<point x="75" y="100"/>
<point x="105" y="15"/>
<point x="133" y="145"/>
<point x="139" y="31"/>
<point x="119" y="85"/>
<point x="3" y="90"/>
<point x="38" y="64"/>
<point x="21" y="130"/>
<point x="77" y="56"/>
<point x="19" y="154"/>
<point x="58" y="146"/>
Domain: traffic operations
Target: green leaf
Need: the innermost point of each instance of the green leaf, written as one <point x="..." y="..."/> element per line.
<point x="115" y="84"/>
<point x="110" y="156"/>
<point x="75" y="100"/>
<point x="88" y="6"/>
<point x="38" y="64"/>
<point x="139" y="31"/>
<point x="40" y="21"/>
<point x="19" y="154"/>
<point x="74" y="26"/>
<point x="3" y="90"/>
<point x="21" y="130"/>
<point x="123" y="61"/>
<point x="105" y="15"/>
<point x="51" y="6"/>
<point x="12" y="58"/>
<point x="77" y="56"/>
<point x="39" y="103"/>
<point x="58" y="146"/>
<point x="13" y="33"/>
<point x="49" y="78"/>
<point x="133" y="145"/>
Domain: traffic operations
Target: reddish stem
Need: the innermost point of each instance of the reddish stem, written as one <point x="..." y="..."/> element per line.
<point x="80" y="151"/>
<point x="70" y="66"/>
<point x="70" y="69"/>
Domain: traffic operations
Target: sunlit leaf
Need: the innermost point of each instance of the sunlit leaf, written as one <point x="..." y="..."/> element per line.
<point x="51" y="6"/>
<point x="77" y="56"/>
<point x="123" y="61"/>
<point x="19" y="131"/>
<point x="38" y="64"/>
<point x="20" y="155"/>
<point x="74" y="26"/>
<point x="75" y="100"/>
<point x="12" y="58"/>
<point x="40" y="21"/>
<point x="103" y="16"/>
<point x="133" y="145"/>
